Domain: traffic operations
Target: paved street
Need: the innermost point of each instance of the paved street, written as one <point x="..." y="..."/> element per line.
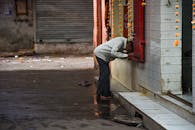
<point x="53" y="93"/>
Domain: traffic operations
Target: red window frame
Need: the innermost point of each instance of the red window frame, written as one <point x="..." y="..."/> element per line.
<point x="138" y="54"/>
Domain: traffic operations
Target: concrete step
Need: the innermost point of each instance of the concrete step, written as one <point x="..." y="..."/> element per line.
<point x="154" y="115"/>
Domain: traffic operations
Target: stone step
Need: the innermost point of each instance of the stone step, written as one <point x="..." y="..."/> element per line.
<point x="154" y="115"/>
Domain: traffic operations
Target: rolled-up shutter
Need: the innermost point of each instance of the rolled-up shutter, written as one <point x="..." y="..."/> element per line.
<point x="64" y="21"/>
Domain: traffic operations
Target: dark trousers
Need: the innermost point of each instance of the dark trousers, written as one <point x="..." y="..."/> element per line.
<point x="103" y="88"/>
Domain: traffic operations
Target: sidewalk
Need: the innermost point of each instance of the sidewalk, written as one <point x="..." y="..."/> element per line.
<point x="153" y="114"/>
<point x="45" y="63"/>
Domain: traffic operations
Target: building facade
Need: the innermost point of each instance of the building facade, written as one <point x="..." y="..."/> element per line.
<point x="16" y="25"/>
<point x="59" y="26"/>
<point x="163" y="34"/>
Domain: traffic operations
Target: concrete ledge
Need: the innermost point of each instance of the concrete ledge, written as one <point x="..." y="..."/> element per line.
<point x="148" y="123"/>
<point x="172" y="104"/>
<point x="155" y="116"/>
<point x="27" y="52"/>
<point x="116" y="88"/>
<point x="177" y="107"/>
<point x="63" y="48"/>
<point x="150" y="107"/>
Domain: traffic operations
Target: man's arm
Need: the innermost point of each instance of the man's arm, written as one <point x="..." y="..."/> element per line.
<point x="115" y="51"/>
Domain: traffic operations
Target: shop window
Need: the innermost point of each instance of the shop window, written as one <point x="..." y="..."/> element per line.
<point x="21" y="7"/>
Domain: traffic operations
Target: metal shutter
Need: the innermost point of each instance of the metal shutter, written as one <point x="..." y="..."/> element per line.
<point x="64" y="21"/>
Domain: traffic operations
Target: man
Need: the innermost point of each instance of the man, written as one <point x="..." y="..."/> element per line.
<point x="105" y="53"/>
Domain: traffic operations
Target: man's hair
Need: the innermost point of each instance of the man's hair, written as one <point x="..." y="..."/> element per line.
<point x="129" y="45"/>
<point x="129" y="41"/>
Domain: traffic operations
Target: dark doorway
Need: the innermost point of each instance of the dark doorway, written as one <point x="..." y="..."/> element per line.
<point x="187" y="47"/>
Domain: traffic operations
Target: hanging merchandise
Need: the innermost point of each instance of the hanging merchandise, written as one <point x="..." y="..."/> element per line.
<point x="125" y="19"/>
<point x="143" y="3"/>
<point x="177" y="21"/>
<point x="120" y="14"/>
<point x="117" y="18"/>
<point x="122" y="18"/>
<point x="130" y="20"/>
<point x="107" y="20"/>
<point x="114" y="12"/>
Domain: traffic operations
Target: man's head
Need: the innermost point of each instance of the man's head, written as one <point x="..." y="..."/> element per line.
<point x="129" y="46"/>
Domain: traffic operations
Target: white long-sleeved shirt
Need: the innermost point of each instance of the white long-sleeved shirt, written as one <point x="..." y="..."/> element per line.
<point x="112" y="49"/>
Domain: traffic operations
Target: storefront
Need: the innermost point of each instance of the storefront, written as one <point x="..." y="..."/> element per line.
<point x="162" y="61"/>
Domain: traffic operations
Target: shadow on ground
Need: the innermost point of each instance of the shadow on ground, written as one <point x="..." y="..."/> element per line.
<point x="53" y="100"/>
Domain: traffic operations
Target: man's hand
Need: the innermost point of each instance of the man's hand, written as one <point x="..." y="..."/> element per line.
<point x="125" y="51"/>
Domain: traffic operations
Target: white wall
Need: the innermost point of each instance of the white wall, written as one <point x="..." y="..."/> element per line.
<point x="149" y="72"/>
<point x="193" y="68"/>
<point x="122" y="71"/>
<point x="170" y="55"/>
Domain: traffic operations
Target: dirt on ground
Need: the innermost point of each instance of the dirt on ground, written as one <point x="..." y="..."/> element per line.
<point x="53" y="93"/>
